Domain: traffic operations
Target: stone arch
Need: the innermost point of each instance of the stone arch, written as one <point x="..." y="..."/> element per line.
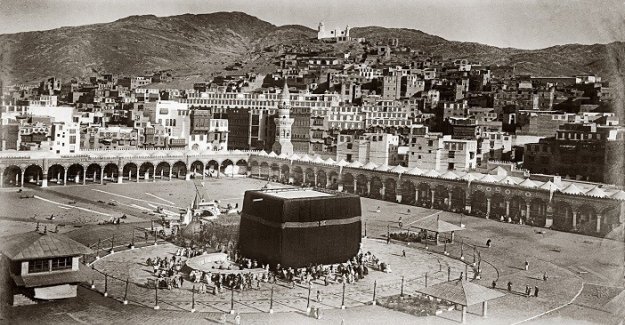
<point x="264" y="170"/>
<point x="309" y="177"/>
<point x="197" y="169"/>
<point x="408" y="192"/>
<point x="212" y="168"/>
<point x="93" y="172"/>
<point x="333" y="180"/>
<point x="479" y="203"/>
<point x="195" y="147"/>
<point x="348" y="183"/>
<point x="146" y="170"/>
<point x="162" y="169"/>
<point x="111" y="170"/>
<point x="274" y="172"/>
<point x="241" y="167"/>
<point x="538" y="212"/>
<point x="609" y="219"/>
<point x="375" y="189"/>
<point x="497" y="206"/>
<point x="56" y="172"/>
<point x="75" y="173"/>
<point x="11" y="176"/>
<point x="129" y="171"/>
<point x="458" y="199"/>
<point x="179" y="169"/>
<point x="298" y="175"/>
<point x="441" y="198"/>
<point x="518" y="209"/>
<point x="390" y="189"/>
<point x="286" y="173"/>
<point x="227" y="167"/>
<point x="586" y="218"/>
<point x="563" y="216"/>
<point x="33" y="174"/>
<point x="425" y="195"/>
<point x="361" y="185"/>
<point x="322" y="178"/>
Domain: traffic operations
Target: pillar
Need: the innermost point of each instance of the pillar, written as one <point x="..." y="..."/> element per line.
<point x="1" y="178"/>
<point x="171" y="170"/>
<point x="316" y="182"/>
<point x="187" y="177"/>
<point x="527" y="211"/>
<point x="484" y="308"/>
<point x="368" y="187"/>
<point x="22" y="180"/>
<point x="64" y="177"/>
<point x="463" y="318"/>
<point x="77" y="178"/>
<point x="453" y="235"/>
<point x="279" y="174"/>
<point x="120" y="178"/>
<point x="383" y="191"/>
<point x="574" y="219"/>
<point x="598" y="223"/>
<point x="449" y="194"/>
<point x="433" y="197"/>
<point x="161" y="174"/>
<point x="416" y="196"/>
<point x="147" y="176"/>
<point x="507" y="208"/>
<point x="102" y="175"/>
<point x="487" y="207"/>
<point x="203" y="173"/>
<point x="84" y="175"/>
<point x="356" y="186"/>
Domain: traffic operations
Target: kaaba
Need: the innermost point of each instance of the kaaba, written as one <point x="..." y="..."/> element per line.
<point x="299" y="227"/>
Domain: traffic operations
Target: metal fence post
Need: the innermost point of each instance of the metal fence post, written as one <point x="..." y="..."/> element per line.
<point x="426" y="279"/>
<point x="401" y="293"/>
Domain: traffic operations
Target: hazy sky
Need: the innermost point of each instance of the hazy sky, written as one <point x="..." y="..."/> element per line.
<point x="505" y="23"/>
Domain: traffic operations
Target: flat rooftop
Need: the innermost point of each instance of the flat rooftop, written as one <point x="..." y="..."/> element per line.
<point x="297" y="194"/>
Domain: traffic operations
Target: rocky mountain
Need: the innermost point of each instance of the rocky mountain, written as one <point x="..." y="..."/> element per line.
<point x="196" y="46"/>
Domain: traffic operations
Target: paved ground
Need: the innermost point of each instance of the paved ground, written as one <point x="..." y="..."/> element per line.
<point x="583" y="271"/>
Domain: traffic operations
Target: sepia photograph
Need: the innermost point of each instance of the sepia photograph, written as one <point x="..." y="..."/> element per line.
<point x="312" y="162"/>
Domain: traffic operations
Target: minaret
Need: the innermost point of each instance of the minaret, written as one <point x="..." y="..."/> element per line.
<point x="284" y="122"/>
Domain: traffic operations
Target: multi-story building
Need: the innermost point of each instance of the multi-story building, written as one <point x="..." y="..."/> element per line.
<point x="111" y="137"/>
<point x="433" y="150"/>
<point x="65" y="138"/>
<point x="378" y="148"/>
<point x="579" y="151"/>
<point x="494" y="146"/>
<point x="284" y="124"/>
<point x="213" y="137"/>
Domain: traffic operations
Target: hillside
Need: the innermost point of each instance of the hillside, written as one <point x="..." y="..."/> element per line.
<point x="195" y="46"/>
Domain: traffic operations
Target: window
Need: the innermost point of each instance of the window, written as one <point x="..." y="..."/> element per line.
<point x="450" y="166"/>
<point x="452" y="154"/>
<point x="61" y="263"/>
<point x="36" y="266"/>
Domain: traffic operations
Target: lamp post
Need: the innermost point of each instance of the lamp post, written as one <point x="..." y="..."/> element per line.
<point x="271" y="301"/>
<point x="401" y="293"/>
<point x="126" y="293"/>
<point x="156" y="306"/>
<point x="343" y="297"/>
<point x="232" y="301"/>
<point x="193" y="299"/>
<point x="106" y="285"/>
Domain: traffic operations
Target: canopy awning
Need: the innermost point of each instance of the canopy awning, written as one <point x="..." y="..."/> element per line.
<point x="433" y="223"/>
<point x="461" y="292"/>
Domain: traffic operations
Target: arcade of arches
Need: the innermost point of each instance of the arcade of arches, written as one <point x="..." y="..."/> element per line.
<point x="518" y="205"/>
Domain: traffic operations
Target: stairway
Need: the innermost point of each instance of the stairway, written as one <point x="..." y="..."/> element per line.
<point x="22" y="300"/>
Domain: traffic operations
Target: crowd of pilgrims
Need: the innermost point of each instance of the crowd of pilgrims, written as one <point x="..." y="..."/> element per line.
<point x="169" y="274"/>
